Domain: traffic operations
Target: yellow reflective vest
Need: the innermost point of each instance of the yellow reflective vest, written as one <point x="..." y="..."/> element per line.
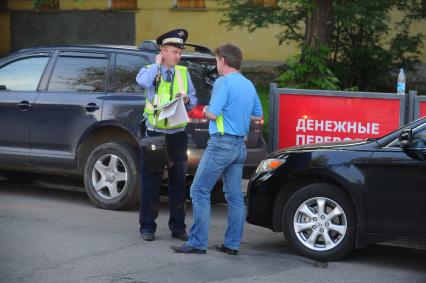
<point x="166" y="92"/>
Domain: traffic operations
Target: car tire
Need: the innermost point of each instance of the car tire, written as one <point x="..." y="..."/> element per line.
<point x="111" y="176"/>
<point x="323" y="236"/>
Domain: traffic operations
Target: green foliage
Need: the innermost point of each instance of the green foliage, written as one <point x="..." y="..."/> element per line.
<point x="263" y="93"/>
<point x="311" y="71"/>
<point x="366" y="49"/>
<point x="252" y="15"/>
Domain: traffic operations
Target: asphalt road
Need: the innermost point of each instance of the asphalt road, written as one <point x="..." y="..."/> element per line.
<point x="49" y="235"/>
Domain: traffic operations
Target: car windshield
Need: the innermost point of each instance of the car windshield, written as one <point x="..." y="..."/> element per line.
<point x="203" y="74"/>
<point x="385" y="139"/>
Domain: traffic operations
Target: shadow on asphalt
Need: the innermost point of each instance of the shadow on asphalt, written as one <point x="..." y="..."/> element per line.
<point x="52" y="185"/>
<point x="60" y="189"/>
<point x="35" y="188"/>
<point x="400" y="254"/>
<point x="397" y="254"/>
<point x="273" y="244"/>
<point x="67" y="192"/>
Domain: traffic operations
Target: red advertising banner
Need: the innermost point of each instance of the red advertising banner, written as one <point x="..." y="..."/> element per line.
<point x="308" y="119"/>
<point x="422" y="109"/>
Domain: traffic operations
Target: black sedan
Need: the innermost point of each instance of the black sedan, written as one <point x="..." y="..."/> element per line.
<point x="331" y="198"/>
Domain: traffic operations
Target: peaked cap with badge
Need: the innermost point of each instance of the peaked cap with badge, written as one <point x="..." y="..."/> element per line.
<point x="175" y="37"/>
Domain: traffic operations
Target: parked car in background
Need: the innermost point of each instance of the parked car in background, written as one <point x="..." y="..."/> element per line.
<point x="331" y="198"/>
<point x="76" y="110"/>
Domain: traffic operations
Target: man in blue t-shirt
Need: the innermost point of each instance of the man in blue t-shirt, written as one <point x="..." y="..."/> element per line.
<point x="233" y="105"/>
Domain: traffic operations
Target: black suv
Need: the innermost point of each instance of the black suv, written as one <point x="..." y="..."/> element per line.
<point x="331" y="198"/>
<point x="76" y="110"/>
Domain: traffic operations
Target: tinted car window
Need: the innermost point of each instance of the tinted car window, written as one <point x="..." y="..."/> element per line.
<point x="203" y="75"/>
<point x="419" y="138"/>
<point x="23" y="74"/>
<point x="126" y="68"/>
<point x="79" y="74"/>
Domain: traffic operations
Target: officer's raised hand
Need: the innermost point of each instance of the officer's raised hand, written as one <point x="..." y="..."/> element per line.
<point x="159" y="59"/>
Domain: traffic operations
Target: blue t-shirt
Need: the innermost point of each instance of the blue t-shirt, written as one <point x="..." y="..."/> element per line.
<point x="234" y="97"/>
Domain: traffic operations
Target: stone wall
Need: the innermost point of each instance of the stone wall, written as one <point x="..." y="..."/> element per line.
<point x="261" y="73"/>
<point x="31" y="29"/>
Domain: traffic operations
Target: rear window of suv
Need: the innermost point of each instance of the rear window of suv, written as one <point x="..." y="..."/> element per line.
<point x="79" y="74"/>
<point x="203" y="75"/>
<point x="126" y="68"/>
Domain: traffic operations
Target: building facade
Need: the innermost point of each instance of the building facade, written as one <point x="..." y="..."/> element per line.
<point x="129" y="22"/>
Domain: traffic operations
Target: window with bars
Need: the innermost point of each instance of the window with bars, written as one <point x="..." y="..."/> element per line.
<point x="190" y="4"/>
<point x="46" y="4"/>
<point x="266" y="3"/>
<point x="124" y="4"/>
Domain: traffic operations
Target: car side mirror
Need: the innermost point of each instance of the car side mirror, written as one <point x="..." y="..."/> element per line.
<point x="405" y="138"/>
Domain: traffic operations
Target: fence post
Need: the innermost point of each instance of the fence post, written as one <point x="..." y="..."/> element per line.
<point x="411" y="106"/>
<point x="273" y="116"/>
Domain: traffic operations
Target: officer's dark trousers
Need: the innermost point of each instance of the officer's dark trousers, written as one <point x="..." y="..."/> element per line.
<point x="150" y="189"/>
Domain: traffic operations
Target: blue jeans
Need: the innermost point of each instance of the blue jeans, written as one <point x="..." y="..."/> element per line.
<point x="224" y="156"/>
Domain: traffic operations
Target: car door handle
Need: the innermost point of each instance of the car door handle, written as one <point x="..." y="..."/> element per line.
<point x="91" y="107"/>
<point x="24" y="105"/>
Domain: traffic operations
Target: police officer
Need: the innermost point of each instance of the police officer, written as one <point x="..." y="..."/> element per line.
<point x="174" y="80"/>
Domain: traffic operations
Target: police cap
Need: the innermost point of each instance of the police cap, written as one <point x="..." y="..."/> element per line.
<point x="175" y="37"/>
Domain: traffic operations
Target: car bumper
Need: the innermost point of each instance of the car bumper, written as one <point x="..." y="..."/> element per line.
<point x="259" y="203"/>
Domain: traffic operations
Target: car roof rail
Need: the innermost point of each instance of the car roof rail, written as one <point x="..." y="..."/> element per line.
<point x="151" y="45"/>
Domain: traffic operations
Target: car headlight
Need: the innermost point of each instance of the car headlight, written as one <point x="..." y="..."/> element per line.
<point x="270" y="164"/>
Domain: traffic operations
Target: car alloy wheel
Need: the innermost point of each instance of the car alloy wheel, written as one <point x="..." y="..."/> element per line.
<point x="109" y="176"/>
<point x="319" y="221"/>
<point x="320" y="224"/>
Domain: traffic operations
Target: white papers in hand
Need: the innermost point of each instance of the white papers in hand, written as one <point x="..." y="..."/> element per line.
<point x="174" y="111"/>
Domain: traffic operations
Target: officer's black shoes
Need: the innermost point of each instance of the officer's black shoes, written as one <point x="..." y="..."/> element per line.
<point x="148" y="236"/>
<point x="227" y="250"/>
<point x="184" y="249"/>
<point x="181" y="236"/>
